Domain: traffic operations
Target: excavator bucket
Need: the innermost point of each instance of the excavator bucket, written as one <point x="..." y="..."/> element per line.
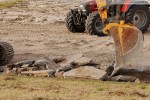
<point x="128" y="42"/>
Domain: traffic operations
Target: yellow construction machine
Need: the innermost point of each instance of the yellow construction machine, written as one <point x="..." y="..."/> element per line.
<point x="127" y="38"/>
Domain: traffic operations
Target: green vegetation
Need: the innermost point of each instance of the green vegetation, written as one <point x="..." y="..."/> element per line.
<point x="8" y="4"/>
<point x="38" y="88"/>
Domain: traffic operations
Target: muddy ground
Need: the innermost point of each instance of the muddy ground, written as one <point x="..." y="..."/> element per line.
<point x="37" y="26"/>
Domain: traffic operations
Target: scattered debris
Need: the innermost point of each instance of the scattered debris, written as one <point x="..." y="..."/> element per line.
<point x="74" y="66"/>
<point x="122" y="78"/>
<point x="43" y="73"/>
<point x="142" y="72"/>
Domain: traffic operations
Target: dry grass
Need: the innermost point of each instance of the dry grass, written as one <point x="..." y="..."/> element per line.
<point x="8" y="4"/>
<point x="34" y="88"/>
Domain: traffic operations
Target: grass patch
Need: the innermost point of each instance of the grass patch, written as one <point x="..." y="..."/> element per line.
<point x="143" y="87"/>
<point x="37" y="88"/>
<point x="8" y="4"/>
<point x="101" y="89"/>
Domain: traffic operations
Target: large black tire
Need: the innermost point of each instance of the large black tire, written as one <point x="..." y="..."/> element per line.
<point x="139" y="16"/>
<point x="6" y="53"/>
<point x="94" y="24"/>
<point x="71" y="25"/>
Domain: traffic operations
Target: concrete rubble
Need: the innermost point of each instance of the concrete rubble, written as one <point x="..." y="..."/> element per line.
<point x="73" y="66"/>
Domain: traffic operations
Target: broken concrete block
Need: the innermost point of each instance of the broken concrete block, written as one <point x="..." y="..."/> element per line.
<point x="50" y="65"/>
<point x="25" y="66"/>
<point x="123" y="78"/>
<point x="25" y="62"/>
<point x="41" y="65"/>
<point x="88" y="72"/>
<point x="70" y="59"/>
<point x="33" y="68"/>
<point x="64" y="68"/>
<point x="28" y="56"/>
<point x="101" y="60"/>
<point x="58" y="60"/>
<point x="19" y="70"/>
<point x="140" y="71"/>
<point x="42" y="73"/>
<point x="82" y="61"/>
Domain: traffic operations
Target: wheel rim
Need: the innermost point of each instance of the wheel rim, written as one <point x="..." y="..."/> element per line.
<point x="139" y="19"/>
<point x="98" y="25"/>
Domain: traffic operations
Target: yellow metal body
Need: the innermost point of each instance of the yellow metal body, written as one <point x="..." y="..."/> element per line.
<point x="127" y="38"/>
<point x="121" y="32"/>
<point x="102" y="12"/>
